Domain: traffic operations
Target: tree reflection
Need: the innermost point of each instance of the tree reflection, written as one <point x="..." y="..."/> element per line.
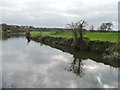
<point x="28" y="40"/>
<point x="76" y="67"/>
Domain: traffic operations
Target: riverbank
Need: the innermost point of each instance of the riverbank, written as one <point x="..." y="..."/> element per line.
<point x="93" y="36"/>
<point x="109" y="50"/>
<point x="83" y="54"/>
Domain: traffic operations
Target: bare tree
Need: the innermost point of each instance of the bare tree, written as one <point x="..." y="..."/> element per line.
<point x="73" y="26"/>
<point x="109" y="26"/>
<point x="106" y="26"/>
<point x="103" y="27"/>
<point x="81" y="25"/>
<point x="78" y="27"/>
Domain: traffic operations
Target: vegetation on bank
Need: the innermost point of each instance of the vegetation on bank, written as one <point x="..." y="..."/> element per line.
<point x="93" y="36"/>
<point x="107" y="49"/>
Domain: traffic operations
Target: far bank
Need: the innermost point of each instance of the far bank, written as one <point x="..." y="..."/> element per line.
<point x="109" y="50"/>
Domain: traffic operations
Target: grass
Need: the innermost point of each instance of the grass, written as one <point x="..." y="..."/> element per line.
<point x="62" y="34"/>
<point x="102" y="36"/>
<point x="35" y="33"/>
<point x="38" y="33"/>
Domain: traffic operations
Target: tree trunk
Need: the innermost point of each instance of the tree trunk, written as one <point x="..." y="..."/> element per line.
<point x="81" y="33"/>
<point x="81" y="37"/>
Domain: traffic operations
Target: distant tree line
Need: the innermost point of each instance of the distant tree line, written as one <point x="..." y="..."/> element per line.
<point x="15" y="28"/>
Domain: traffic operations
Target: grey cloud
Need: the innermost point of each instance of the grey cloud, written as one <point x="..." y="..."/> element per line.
<point x="57" y="13"/>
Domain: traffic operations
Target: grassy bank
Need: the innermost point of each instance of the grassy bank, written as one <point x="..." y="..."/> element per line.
<point x="93" y="36"/>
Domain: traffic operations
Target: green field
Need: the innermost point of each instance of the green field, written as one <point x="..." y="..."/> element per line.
<point x="102" y="36"/>
<point x="38" y="34"/>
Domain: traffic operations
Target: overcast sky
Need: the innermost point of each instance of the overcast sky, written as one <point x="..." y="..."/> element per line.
<point x="57" y="13"/>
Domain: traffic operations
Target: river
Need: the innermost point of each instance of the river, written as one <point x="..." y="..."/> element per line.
<point x="35" y="65"/>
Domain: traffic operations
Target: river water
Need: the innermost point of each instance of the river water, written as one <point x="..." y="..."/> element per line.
<point x="35" y="65"/>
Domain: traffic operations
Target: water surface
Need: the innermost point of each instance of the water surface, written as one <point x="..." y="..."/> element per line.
<point x="35" y="65"/>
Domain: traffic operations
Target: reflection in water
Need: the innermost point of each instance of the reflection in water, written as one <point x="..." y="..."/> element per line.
<point x="17" y="35"/>
<point x="76" y="67"/>
<point x="36" y="66"/>
<point x="28" y="36"/>
<point x="28" y="39"/>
